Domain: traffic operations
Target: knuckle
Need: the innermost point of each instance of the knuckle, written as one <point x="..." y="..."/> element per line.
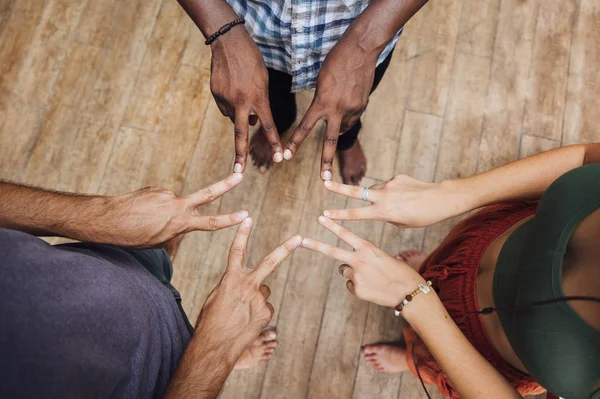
<point x="208" y="193"/>
<point x="270" y="262"/>
<point x="237" y="250"/>
<point x="332" y="140"/>
<point x="239" y="133"/>
<point x="240" y="155"/>
<point x="213" y="223"/>
<point x="303" y="128"/>
<point x="268" y="127"/>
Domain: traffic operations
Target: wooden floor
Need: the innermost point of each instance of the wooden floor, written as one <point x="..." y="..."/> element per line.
<point x="107" y="96"/>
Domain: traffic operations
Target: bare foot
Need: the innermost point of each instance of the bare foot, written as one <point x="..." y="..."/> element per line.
<point x="353" y="164"/>
<point x="386" y="358"/>
<point x="259" y="352"/>
<point x="413" y="258"/>
<point x="260" y="150"/>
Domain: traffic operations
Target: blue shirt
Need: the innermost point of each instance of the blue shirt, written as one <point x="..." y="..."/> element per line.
<point x="295" y="36"/>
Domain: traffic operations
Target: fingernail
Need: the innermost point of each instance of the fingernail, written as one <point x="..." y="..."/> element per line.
<point x="322" y="219"/>
<point x="277" y="157"/>
<point x="306" y="242"/>
<point x="326" y="213"/>
<point x="287" y="154"/>
<point x="241" y="215"/>
<point x="327" y="175"/>
<point x="297" y="240"/>
<point x="237" y="168"/>
<point x="327" y="182"/>
<point x="248" y="222"/>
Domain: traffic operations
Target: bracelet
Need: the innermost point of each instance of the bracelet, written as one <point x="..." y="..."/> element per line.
<point x="421" y="288"/>
<point x="224" y="29"/>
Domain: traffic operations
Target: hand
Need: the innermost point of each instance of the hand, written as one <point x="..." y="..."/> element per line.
<point x="240" y="85"/>
<point x="403" y="201"/>
<point x="151" y="217"/>
<point x="342" y="93"/>
<point x="233" y="316"/>
<point x="373" y="274"/>
<point x="237" y="309"/>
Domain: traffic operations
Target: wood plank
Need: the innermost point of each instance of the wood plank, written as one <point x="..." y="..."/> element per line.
<point x="383" y="118"/>
<point x="419" y="146"/>
<point x="211" y="161"/>
<point x="18" y="32"/>
<point x="511" y="60"/>
<point x="97" y="23"/>
<point x="411" y="388"/>
<point x="461" y="136"/>
<point x="338" y="349"/>
<point x="544" y="106"/>
<point x="304" y="300"/>
<point x="583" y="104"/>
<point x="197" y="54"/>
<point x="160" y="66"/>
<point x="433" y="64"/>
<point x="531" y="145"/>
<point x="59" y="126"/>
<point x="183" y="119"/>
<point x="477" y="28"/>
<point x="47" y="51"/>
<point x="91" y="147"/>
<point x="128" y="162"/>
<point x="18" y="125"/>
<point x="279" y="219"/>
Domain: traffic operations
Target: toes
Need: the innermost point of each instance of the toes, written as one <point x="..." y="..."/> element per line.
<point x="270" y="344"/>
<point x="268" y="335"/>
<point x="369" y="349"/>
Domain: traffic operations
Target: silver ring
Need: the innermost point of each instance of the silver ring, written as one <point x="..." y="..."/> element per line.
<point x="365" y="196"/>
<point x="344" y="270"/>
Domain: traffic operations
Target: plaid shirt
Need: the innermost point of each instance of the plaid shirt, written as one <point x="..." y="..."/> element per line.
<point x="295" y="36"/>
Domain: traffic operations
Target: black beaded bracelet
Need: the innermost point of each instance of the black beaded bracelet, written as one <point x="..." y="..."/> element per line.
<point x="224" y="29"/>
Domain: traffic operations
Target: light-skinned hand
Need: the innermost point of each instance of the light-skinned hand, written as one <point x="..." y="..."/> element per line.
<point x="373" y="274"/>
<point x="403" y="201"/>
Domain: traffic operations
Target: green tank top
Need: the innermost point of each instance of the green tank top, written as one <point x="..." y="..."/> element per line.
<point x="558" y="348"/>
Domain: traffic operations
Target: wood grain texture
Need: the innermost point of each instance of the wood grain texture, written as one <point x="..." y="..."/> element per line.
<point x="583" y="104"/>
<point x="159" y="68"/>
<point x="434" y="58"/>
<point x="506" y="96"/>
<point x="109" y="96"/>
<point x="544" y="106"/>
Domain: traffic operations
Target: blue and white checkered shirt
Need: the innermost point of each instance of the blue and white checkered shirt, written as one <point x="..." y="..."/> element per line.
<point x="295" y="36"/>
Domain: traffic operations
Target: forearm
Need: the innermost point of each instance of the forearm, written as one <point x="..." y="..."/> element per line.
<point x="204" y="367"/>
<point x="379" y="22"/>
<point x="42" y="212"/>
<point x="471" y="375"/>
<point x="525" y="179"/>
<point x="209" y="15"/>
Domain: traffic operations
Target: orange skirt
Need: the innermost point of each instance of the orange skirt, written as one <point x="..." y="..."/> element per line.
<point x="453" y="268"/>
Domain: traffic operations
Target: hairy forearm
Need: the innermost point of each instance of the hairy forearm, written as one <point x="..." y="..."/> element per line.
<point x="471" y="375"/>
<point x="525" y="179"/>
<point x="209" y="15"/>
<point x="379" y="22"/>
<point x="204" y="367"/>
<point x="42" y="212"/>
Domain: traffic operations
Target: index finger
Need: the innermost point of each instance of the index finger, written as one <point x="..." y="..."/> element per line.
<point x="268" y="127"/>
<point x="343" y="233"/>
<point x="239" y="246"/>
<point x="271" y="262"/>
<point x="214" y="191"/>
<point x="240" y="132"/>
<point x="351" y="191"/>
<point x="305" y="126"/>
<point x="329" y="146"/>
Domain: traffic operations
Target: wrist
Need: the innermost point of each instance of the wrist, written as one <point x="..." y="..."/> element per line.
<point x="423" y="310"/>
<point x="83" y="218"/>
<point x="231" y="39"/>
<point x="458" y="196"/>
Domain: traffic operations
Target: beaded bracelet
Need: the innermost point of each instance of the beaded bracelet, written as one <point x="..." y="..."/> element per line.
<point x="224" y="29"/>
<point x="421" y="288"/>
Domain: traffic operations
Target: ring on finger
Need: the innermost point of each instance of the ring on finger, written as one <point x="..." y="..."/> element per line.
<point x="343" y="269"/>
<point x="365" y="194"/>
